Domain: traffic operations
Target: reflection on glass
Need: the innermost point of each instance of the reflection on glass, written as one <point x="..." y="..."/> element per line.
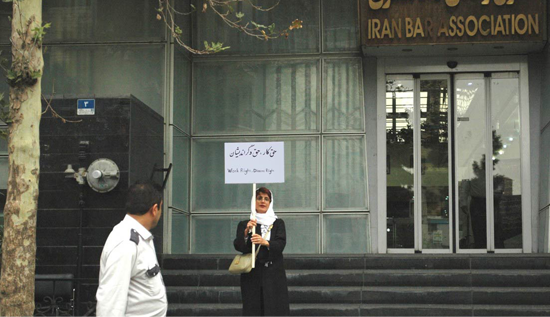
<point x="182" y="90"/>
<point x="298" y="192"/>
<point x="434" y="104"/>
<point x="214" y="234"/>
<point x="210" y="27"/>
<point x="506" y="162"/>
<point x="101" y="21"/>
<point x="5" y="53"/>
<point x="470" y="162"/>
<point x="107" y="70"/>
<point x="400" y="169"/>
<point x="180" y="178"/>
<point x="343" y="104"/>
<point x="341" y="27"/>
<point x="269" y="96"/>
<point x="180" y="232"/>
<point x="345" y="172"/>
<point x="302" y="233"/>
<point x="341" y="229"/>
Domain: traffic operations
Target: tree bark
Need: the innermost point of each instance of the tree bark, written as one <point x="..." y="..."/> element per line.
<point x="19" y="245"/>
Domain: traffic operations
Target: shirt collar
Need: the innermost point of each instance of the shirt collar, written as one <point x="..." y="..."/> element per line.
<point x="143" y="232"/>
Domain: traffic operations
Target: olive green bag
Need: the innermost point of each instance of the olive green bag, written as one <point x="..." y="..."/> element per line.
<point x="242" y="263"/>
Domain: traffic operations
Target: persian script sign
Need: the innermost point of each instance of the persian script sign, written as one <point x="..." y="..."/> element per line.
<point x="415" y="22"/>
<point x="258" y="162"/>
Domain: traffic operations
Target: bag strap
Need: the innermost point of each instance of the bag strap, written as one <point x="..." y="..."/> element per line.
<point x="258" y="249"/>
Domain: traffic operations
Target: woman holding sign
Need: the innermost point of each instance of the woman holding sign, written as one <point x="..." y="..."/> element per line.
<point x="264" y="290"/>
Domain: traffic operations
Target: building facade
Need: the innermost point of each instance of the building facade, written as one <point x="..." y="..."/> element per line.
<point x="408" y="127"/>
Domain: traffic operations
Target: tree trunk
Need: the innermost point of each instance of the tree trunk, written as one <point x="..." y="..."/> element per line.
<point x="19" y="246"/>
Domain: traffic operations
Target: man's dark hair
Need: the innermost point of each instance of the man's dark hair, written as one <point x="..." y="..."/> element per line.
<point x="142" y="196"/>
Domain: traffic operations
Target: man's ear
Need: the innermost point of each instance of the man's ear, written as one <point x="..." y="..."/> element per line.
<point x="154" y="210"/>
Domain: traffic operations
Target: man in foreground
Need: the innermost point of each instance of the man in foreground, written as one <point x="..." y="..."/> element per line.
<point x="130" y="283"/>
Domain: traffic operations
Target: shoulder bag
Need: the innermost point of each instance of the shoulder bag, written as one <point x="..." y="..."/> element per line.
<point x="242" y="263"/>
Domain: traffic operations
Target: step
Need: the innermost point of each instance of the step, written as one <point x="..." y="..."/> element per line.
<point x="294" y="277"/>
<point x="374" y="262"/>
<point x="396" y="310"/>
<point x="368" y="310"/>
<point x="232" y="294"/>
<point x="491" y="278"/>
<point x="457" y="295"/>
<point x="511" y="278"/>
<point x="373" y="295"/>
<point x="236" y="310"/>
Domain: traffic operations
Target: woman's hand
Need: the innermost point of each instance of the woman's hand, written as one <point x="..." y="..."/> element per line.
<point x="251" y="224"/>
<point x="257" y="239"/>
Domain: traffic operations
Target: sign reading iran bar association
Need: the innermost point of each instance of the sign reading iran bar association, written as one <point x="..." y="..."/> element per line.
<point x="422" y="22"/>
<point x="254" y="162"/>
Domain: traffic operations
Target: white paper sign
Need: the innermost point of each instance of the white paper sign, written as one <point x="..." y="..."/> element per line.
<point x="255" y="162"/>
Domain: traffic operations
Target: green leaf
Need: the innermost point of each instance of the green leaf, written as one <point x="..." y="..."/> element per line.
<point x="258" y="26"/>
<point x="239" y="15"/>
<point x="271" y="28"/>
<point x="11" y="75"/>
<point x="178" y="30"/>
<point x="36" y="74"/>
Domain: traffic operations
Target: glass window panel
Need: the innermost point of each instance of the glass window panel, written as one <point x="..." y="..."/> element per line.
<point x="340" y="20"/>
<point x="182" y="90"/>
<point x="3" y="141"/>
<point x="269" y="96"/>
<point x="345" y="173"/>
<point x="470" y="162"/>
<point x="209" y="27"/>
<point x="344" y="95"/>
<point x="102" y="21"/>
<point x="106" y="71"/>
<point x="506" y="162"/>
<point x="435" y="163"/>
<point x="180" y="177"/>
<point x="298" y="192"/>
<point x="5" y="23"/>
<point x="400" y="163"/>
<point x="346" y="234"/>
<point x="180" y="232"/>
<point x="545" y="168"/>
<point x="184" y="20"/>
<point x="4" y="170"/>
<point x="3" y="173"/>
<point x="302" y="233"/>
<point x="5" y="53"/>
<point x="214" y="234"/>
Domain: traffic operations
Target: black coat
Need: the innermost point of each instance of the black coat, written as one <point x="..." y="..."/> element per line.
<point x="266" y="284"/>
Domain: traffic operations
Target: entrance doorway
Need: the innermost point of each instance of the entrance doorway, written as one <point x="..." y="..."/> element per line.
<point x="453" y="163"/>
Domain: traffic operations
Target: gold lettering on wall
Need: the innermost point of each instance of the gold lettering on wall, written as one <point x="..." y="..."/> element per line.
<point x="498" y="2"/>
<point x="427" y="22"/>
<point x="455" y="26"/>
<point x="452" y="3"/>
<point x="379" y="4"/>
<point x="385" y="4"/>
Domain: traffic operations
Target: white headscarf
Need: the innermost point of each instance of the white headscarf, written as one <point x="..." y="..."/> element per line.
<point x="266" y="219"/>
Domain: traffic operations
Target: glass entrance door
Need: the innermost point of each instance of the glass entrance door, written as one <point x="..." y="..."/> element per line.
<point x="418" y="166"/>
<point x="488" y="164"/>
<point x="472" y="166"/>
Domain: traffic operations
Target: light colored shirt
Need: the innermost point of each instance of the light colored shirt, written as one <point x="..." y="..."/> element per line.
<point x="125" y="287"/>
